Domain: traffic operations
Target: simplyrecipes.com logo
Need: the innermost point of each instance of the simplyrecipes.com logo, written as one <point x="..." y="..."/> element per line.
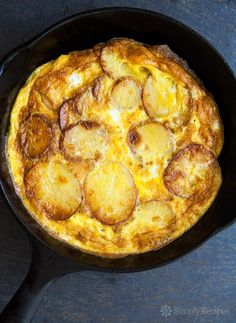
<point x="167" y="311"/>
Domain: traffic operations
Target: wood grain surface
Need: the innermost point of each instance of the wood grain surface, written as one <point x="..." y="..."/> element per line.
<point x="199" y="287"/>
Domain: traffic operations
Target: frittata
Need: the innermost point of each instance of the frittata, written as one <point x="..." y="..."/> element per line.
<point x="114" y="149"/>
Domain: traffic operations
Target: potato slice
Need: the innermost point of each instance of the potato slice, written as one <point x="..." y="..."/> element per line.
<point x="53" y="189"/>
<point x="85" y="140"/>
<point x="126" y="93"/>
<point x="151" y="141"/>
<point x="154" y="212"/>
<point x="124" y="57"/>
<point x="70" y="112"/>
<point x="190" y="172"/>
<point x="35" y="136"/>
<point x="151" y="225"/>
<point x="114" y="66"/>
<point x="110" y="192"/>
<point x="166" y="100"/>
<point x="151" y="215"/>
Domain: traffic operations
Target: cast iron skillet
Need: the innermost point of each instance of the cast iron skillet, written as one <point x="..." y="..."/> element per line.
<point x="52" y="258"/>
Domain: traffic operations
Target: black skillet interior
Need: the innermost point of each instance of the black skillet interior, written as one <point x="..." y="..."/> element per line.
<point x="85" y="30"/>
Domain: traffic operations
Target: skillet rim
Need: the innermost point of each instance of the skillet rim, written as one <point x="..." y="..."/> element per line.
<point x="67" y="19"/>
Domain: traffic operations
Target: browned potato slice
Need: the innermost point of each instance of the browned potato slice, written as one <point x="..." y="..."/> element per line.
<point x="113" y="65"/>
<point x="35" y="136"/>
<point x="190" y="172"/>
<point x="151" y="141"/>
<point x="151" y="225"/>
<point x="164" y="99"/>
<point x="85" y="140"/>
<point x="126" y="93"/>
<point x="122" y="57"/>
<point x="53" y="189"/>
<point x="70" y="112"/>
<point x="110" y="192"/>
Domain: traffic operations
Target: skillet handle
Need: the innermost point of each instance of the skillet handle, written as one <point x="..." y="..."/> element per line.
<point x="46" y="267"/>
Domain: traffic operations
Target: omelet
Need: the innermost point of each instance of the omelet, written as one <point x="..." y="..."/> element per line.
<point x="113" y="150"/>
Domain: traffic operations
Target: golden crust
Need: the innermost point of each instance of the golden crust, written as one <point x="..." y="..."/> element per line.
<point x="205" y="128"/>
<point x="65" y="77"/>
<point x="83" y="58"/>
<point x="113" y="149"/>
<point x="168" y="61"/>
<point x="211" y="129"/>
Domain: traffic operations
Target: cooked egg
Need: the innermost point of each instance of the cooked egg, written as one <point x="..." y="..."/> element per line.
<point x="113" y="150"/>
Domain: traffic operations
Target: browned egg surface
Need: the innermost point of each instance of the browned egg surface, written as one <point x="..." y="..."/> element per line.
<point x="114" y="149"/>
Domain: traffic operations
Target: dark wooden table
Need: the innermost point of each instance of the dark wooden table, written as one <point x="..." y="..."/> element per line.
<point x="199" y="287"/>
